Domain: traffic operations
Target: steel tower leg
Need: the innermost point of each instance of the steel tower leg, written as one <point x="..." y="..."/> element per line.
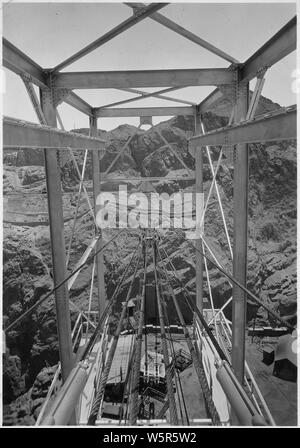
<point x="56" y="221"/>
<point x="96" y="191"/>
<point x="199" y="189"/>
<point x="240" y="219"/>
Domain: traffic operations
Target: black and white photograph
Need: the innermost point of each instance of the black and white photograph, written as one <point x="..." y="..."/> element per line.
<point x="149" y="217"/>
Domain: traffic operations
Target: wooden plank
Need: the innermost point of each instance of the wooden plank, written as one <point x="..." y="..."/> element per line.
<point x="144" y="78"/>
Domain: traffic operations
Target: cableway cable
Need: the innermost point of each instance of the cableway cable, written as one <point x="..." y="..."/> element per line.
<point x="53" y="290"/>
<point x="100" y="389"/>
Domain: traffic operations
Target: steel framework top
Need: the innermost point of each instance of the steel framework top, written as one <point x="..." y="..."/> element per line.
<point x="276" y="48"/>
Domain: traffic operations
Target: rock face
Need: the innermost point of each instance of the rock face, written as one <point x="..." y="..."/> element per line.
<point x="25" y="409"/>
<point x="32" y="345"/>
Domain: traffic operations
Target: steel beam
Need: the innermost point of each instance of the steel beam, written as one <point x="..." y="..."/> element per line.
<point x="198" y="241"/>
<point x="78" y="103"/>
<point x="159" y="18"/>
<point x="209" y="102"/>
<point x="144" y="78"/>
<point x="99" y="244"/>
<point x="144" y="95"/>
<point x="145" y="179"/>
<point x="275" y="49"/>
<point x="279" y="46"/>
<point x="34" y="99"/>
<point x="136" y="98"/>
<point x="264" y="128"/>
<point x="128" y="23"/>
<point x="56" y="220"/>
<point x="240" y="238"/>
<point x="162" y="97"/>
<point x="19" y="63"/>
<point x="145" y="111"/>
<point x="20" y="134"/>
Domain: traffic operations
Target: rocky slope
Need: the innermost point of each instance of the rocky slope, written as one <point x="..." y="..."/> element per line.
<point x="32" y="345"/>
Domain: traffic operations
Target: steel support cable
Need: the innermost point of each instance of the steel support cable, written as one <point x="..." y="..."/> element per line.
<point x="177" y="156"/>
<point x="41" y="300"/>
<point x="209" y="291"/>
<point x="218" y="193"/>
<point x="134" y="402"/>
<point x="122" y="151"/>
<point x="77" y="206"/>
<point x="173" y="367"/>
<point x="176" y="373"/>
<point x="90" y="297"/>
<point x="108" y="307"/>
<point x="246" y="290"/>
<point x="178" y="279"/>
<point x="128" y="386"/>
<point x="233" y="280"/>
<point x="91" y="209"/>
<point x="129" y="373"/>
<point x="196" y="360"/>
<point x="214" y="256"/>
<point x="211" y="187"/>
<point x="128" y="378"/>
<point x="220" y="204"/>
<point x="175" y="370"/>
<point x="100" y="389"/>
<point x="172" y="404"/>
<point x="194" y="309"/>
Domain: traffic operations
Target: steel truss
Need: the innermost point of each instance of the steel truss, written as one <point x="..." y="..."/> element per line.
<point x="231" y="83"/>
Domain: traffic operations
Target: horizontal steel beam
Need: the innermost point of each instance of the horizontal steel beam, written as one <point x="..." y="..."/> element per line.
<point x="159" y="18"/>
<point x="79" y="104"/>
<point x="128" y="23"/>
<point x="144" y="78"/>
<point x="145" y="111"/>
<point x="266" y="128"/>
<point x="19" y="134"/>
<point x="149" y="179"/>
<point x="19" y="63"/>
<point x="275" y="49"/>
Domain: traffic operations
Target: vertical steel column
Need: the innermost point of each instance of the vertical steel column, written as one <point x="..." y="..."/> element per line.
<point x="96" y="191"/>
<point x="56" y="221"/>
<point x="199" y="189"/>
<point x="240" y="235"/>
